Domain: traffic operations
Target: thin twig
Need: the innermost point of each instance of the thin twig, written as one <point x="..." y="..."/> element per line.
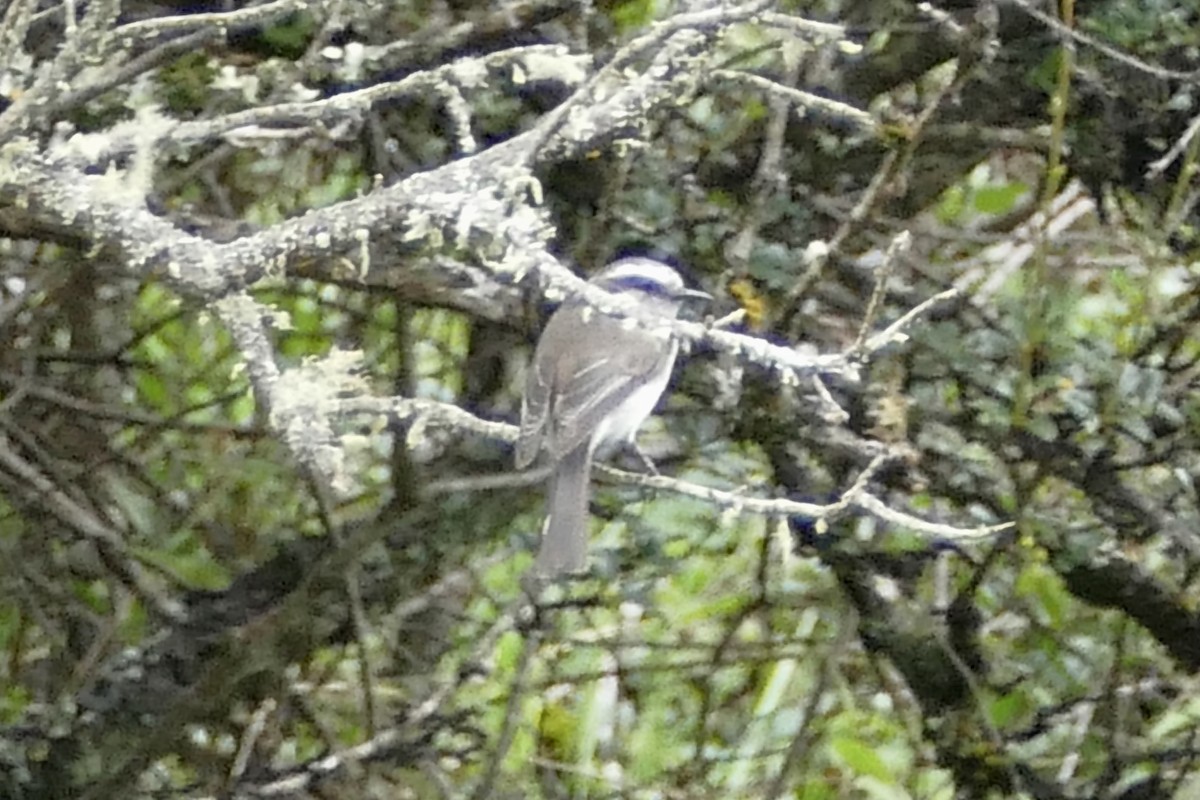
<point x="900" y="244"/>
<point x="251" y="15"/>
<point x="805" y="100"/>
<point x="388" y="740"/>
<point x="512" y="713"/>
<point x="881" y="178"/>
<point x="1066" y="32"/>
<point x="258" y="722"/>
<point x="29" y="481"/>
<point x="805" y="733"/>
<point x="768" y="177"/>
<point x="651" y="42"/>
<point x="895" y="331"/>
<point x="431" y="413"/>
<point x="1158" y="165"/>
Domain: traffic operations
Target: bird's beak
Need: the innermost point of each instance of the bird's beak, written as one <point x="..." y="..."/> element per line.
<point x="694" y="294"/>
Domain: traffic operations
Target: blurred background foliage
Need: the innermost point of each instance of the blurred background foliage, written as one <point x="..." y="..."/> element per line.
<point x="712" y="652"/>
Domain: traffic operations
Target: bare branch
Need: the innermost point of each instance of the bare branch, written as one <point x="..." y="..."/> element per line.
<point x="442" y="80"/>
<point x="895" y="331"/>
<point x="806" y="101"/>
<point x="901" y="243"/>
<point x="1159" y="165"/>
<point x="1073" y="35"/>
<point x="29" y="481"/>
<point x="428" y="413"/>
<point x="251" y="15"/>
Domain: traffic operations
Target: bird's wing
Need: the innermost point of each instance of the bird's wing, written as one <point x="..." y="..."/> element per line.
<point x="585" y="392"/>
<point x="535" y="405"/>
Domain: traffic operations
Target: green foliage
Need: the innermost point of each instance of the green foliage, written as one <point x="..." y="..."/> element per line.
<point x="290" y="38"/>
<point x="978" y="197"/>
<point x="1148" y="26"/>
<point x="1049" y="602"/>
<point x="860" y="758"/>
<point x="1044" y="75"/>
<point x="185" y="558"/>
<point x="441" y="345"/>
<point x="711" y="651"/>
<point x="276" y="186"/>
<point x="999" y="198"/>
<point x="633" y="14"/>
<point x="183" y="85"/>
<point x="13" y="703"/>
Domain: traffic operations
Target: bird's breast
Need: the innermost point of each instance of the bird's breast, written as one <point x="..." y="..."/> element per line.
<point x="622" y="424"/>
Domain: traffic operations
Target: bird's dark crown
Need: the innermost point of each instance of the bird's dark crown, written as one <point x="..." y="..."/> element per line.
<point x="639" y="283"/>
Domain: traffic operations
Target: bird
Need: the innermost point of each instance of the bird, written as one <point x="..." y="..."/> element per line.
<point x="593" y="381"/>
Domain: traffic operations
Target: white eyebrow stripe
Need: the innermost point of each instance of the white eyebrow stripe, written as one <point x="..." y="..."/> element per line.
<point x="643" y="268"/>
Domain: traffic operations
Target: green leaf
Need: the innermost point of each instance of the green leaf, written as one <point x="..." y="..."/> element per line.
<point x="508" y="651"/>
<point x="860" y="757"/>
<point x="633" y="14"/>
<point x="952" y="204"/>
<point x="816" y="790"/>
<point x="1046" y="590"/>
<point x="999" y="198"/>
<point x="191" y="564"/>
<point x="881" y="790"/>
<point x="152" y="390"/>
<point x="1009" y="707"/>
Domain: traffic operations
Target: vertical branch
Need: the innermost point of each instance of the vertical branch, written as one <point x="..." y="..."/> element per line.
<point x="512" y="711"/>
<point x="1036" y="290"/>
<point x="768" y="176"/>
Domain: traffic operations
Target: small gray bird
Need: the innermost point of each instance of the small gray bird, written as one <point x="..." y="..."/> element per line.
<point x="594" y="380"/>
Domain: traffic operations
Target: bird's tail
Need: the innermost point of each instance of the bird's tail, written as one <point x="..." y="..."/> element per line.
<point x="565" y="535"/>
